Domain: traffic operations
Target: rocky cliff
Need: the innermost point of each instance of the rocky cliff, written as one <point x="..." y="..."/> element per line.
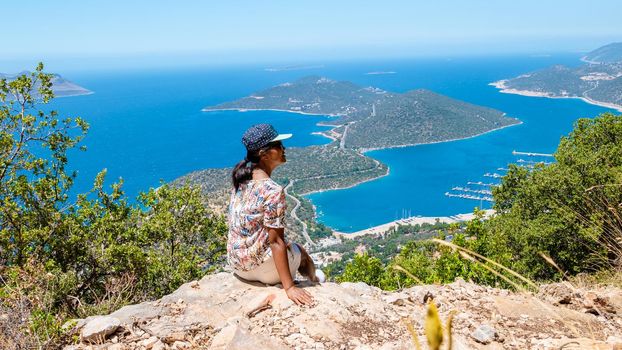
<point x="222" y="312"/>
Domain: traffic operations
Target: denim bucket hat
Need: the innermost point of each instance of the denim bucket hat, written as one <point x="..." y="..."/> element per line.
<point x="257" y="136"/>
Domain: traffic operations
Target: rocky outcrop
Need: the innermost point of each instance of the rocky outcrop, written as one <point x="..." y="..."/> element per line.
<point x="96" y="329"/>
<point x="222" y="312"/>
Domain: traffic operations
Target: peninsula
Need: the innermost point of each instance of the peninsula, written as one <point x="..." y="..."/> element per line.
<point x="371" y="118"/>
<point x="598" y="82"/>
<point x="60" y="86"/>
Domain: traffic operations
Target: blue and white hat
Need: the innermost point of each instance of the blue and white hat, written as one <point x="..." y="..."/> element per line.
<point x="257" y="136"/>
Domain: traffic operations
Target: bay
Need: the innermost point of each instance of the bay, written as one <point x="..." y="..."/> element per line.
<point x="421" y="175"/>
<point x="147" y="127"/>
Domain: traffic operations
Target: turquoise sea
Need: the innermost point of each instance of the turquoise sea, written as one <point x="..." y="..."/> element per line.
<point x="147" y="126"/>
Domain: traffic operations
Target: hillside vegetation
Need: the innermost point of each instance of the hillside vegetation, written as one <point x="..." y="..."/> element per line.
<point x="553" y="222"/>
<point x="377" y="118"/>
<point x="599" y="81"/>
<point x="308" y="169"/>
<point x="63" y="257"/>
<point x="606" y="54"/>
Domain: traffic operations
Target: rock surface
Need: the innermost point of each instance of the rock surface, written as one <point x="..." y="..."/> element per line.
<point x="97" y="328"/>
<point x="222" y="312"/>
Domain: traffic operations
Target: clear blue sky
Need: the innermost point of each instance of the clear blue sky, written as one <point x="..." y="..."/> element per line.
<point x="245" y="30"/>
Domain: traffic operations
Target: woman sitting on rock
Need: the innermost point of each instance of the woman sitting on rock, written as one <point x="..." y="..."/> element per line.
<point x="256" y="245"/>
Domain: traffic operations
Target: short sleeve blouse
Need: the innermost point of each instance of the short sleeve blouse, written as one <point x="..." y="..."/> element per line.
<point x="253" y="208"/>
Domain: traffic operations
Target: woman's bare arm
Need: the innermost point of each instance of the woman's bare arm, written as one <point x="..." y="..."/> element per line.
<point x="279" y="254"/>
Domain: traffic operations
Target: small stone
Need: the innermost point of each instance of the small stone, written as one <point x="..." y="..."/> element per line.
<point x="150" y="342"/>
<point x="234" y="337"/>
<point x="484" y="334"/>
<point x="427" y="297"/>
<point x="399" y="299"/>
<point x="98" y="328"/>
<point x="159" y="345"/>
<point x="293" y="338"/>
<point x="181" y="345"/>
<point x="195" y="285"/>
<point x="173" y="337"/>
<point x="118" y="346"/>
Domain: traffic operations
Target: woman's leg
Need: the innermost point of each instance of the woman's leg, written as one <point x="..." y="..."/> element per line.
<point x="307" y="267"/>
<point x="267" y="273"/>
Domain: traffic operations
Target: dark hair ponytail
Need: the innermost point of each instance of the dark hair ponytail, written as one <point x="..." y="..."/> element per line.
<point x="243" y="171"/>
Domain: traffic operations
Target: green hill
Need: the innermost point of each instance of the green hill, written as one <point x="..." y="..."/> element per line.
<point x="376" y="118"/>
<point x="598" y="83"/>
<point x="61" y="86"/>
<point x="610" y="53"/>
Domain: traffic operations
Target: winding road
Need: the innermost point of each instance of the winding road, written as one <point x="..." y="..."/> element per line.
<point x="305" y="234"/>
<point x="342" y="142"/>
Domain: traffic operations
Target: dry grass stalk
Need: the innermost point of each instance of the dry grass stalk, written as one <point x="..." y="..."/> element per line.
<point x="468" y="251"/>
<point x="407" y="273"/>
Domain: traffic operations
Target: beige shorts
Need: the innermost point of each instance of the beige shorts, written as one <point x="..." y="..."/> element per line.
<point x="267" y="273"/>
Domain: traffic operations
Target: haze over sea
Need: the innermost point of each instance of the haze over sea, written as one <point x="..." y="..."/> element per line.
<point x="147" y="126"/>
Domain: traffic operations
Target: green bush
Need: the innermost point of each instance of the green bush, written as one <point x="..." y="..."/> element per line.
<point x="65" y="258"/>
<point x="553" y="221"/>
<point x="569" y="210"/>
<point x="363" y="268"/>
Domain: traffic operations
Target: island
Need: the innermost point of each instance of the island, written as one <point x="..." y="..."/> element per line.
<point x="598" y="82"/>
<point x="294" y="67"/>
<point x="367" y="118"/>
<point x="60" y="86"/>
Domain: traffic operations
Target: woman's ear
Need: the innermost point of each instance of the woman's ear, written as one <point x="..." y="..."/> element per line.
<point x="263" y="155"/>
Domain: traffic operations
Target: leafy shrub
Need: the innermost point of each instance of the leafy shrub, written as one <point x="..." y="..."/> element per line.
<point x="62" y="258"/>
<point x="551" y="222"/>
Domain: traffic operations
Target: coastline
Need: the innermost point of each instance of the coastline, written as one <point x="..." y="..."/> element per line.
<point x="504" y="89"/>
<point x="362" y="151"/>
<point x="321" y="133"/>
<point x="76" y="94"/>
<point x="346" y="187"/>
<point x="341" y="188"/>
<point x="365" y="150"/>
<point x="270" y="109"/>
<point x="413" y="220"/>
<point x="584" y="59"/>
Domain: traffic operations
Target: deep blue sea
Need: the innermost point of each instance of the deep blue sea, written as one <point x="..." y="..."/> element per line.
<point x="147" y="127"/>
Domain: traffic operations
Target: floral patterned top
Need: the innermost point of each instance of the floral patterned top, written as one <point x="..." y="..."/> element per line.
<point x="255" y="206"/>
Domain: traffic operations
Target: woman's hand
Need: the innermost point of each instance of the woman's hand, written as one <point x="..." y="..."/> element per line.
<point x="299" y="296"/>
<point x="279" y="253"/>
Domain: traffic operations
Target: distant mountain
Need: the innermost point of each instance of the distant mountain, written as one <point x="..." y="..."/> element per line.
<point x="370" y="117"/>
<point x="597" y="83"/>
<point x="60" y="86"/>
<point x="611" y="53"/>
